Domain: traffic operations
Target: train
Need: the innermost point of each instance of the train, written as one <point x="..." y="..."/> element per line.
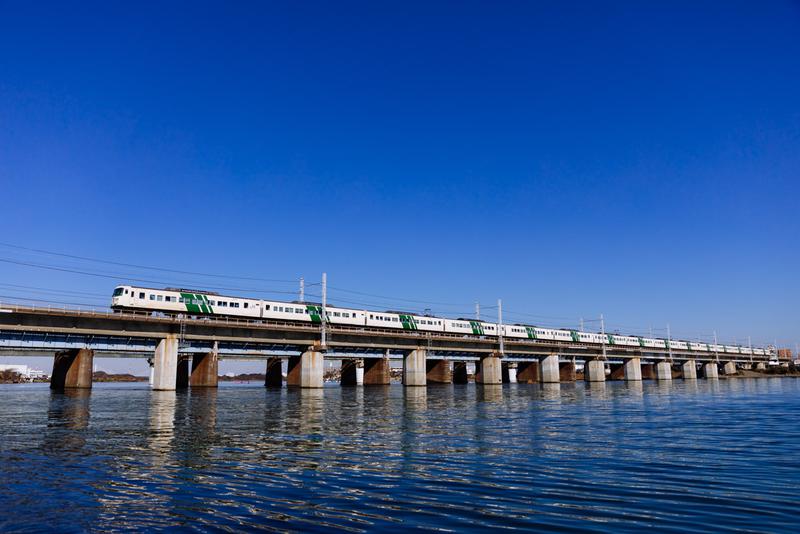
<point x="175" y="301"/>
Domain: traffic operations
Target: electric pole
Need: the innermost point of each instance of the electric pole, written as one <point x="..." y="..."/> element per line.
<point x="669" y="342"/>
<point x="477" y="311"/>
<point x="323" y="332"/>
<point x="500" y="325"/>
<point x="603" y="334"/>
<point x="302" y="290"/>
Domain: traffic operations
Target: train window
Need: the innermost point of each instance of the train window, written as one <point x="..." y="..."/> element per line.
<point x="152" y="297"/>
<point x="266" y="306"/>
<point x="159" y="298"/>
<point x="245" y="304"/>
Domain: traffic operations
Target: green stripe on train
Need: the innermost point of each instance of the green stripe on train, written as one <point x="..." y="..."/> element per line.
<point x="188" y="299"/>
<point x="408" y="322"/>
<point x="315" y="312"/>
<point x="477" y="328"/>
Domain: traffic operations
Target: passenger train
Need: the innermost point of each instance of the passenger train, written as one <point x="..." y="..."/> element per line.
<point x="202" y="303"/>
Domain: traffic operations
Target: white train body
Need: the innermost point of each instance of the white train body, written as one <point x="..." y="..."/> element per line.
<point x="652" y="343"/>
<point x="200" y="303"/>
<point x="627" y="341"/>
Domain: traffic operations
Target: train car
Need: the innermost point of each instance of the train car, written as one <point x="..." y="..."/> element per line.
<point x="715" y="348"/>
<point x="384" y="320"/>
<point x="469" y="326"/>
<point x="731" y="349"/>
<point x="516" y="330"/>
<point x="745" y="350"/>
<point x="312" y="313"/>
<point x="626" y="341"/>
<point x="589" y="337"/>
<point x="550" y="334"/>
<point x="653" y="343"/>
<point x="698" y="347"/>
<point x="758" y="352"/>
<point x="182" y="301"/>
<point x="678" y="345"/>
<point x="423" y="323"/>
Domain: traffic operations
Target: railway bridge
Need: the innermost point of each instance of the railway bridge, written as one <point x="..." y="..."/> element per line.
<point x="185" y="351"/>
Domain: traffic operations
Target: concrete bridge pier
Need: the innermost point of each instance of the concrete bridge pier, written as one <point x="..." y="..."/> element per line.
<point x="205" y="369"/>
<point x="528" y="372"/>
<point x="689" y="369"/>
<point x="274" y="373"/>
<point x="710" y="370"/>
<point x="509" y="373"/>
<point x="376" y="372"/>
<point x="491" y="370"/>
<point x="352" y="373"/>
<point x="549" y="371"/>
<point x="633" y="369"/>
<point x="72" y="369"/>
<point x="460" y="375"/>
<point x="165" y="364"/>
<point x="415" y="368"/>
<point x="438" y="372"/>
<point x="663" y="371"/>
<point x="729" y="368"/>
<point x="594" y="370"/>
<point x="305" y="371"/>
<point x="761" y="366"/>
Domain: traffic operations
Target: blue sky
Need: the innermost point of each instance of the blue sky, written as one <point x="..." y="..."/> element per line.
<point x="639" y="161"/>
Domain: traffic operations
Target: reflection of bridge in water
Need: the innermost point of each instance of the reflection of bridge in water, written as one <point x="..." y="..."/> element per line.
<point x="185" y="352"/>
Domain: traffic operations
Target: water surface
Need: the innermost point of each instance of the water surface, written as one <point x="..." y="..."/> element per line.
<point x="696" y="455"/>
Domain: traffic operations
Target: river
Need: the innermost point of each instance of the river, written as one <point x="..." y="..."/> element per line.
<point x="703" y="456"/>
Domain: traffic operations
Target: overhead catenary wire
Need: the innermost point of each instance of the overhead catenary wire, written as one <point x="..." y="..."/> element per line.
<point x="145" y="267"/>
<point x="442" y="308"/>
<point x="142" y="280"/>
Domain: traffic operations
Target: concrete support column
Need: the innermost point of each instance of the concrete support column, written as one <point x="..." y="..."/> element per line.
<point x="306" y="370"/>
<point x="549" y="372"/>
<point x="205" y="369"/>
<point x="528" y="372"/>
<point x="460" y="375"/>
<point x="165" y="364"/>
<point x="438" y="372"/>
<point x="72" y="369"/>
<point x="633" y="369"/>
<point x="352" y="372"/>
<point x="729" y="368"/>
<point x="689" y="369"/>
<point x="594" y="371"/>
<point x="510" y="373"/>
<point x="274" y="373"/>
<point x="710" y="370"/>
<point x="663" y="371"/>
<point x="761" y="366"/>
<point x="414" y="368"/>
<point x="376" y="372"/>
<point x="491" y="370"/>
<point x="567" y="371"/>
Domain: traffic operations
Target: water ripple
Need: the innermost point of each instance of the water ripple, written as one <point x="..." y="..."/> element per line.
<point x="688" y="456"/>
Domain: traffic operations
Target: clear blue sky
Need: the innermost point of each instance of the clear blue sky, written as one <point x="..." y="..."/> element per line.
<point x="631" y="159"/>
